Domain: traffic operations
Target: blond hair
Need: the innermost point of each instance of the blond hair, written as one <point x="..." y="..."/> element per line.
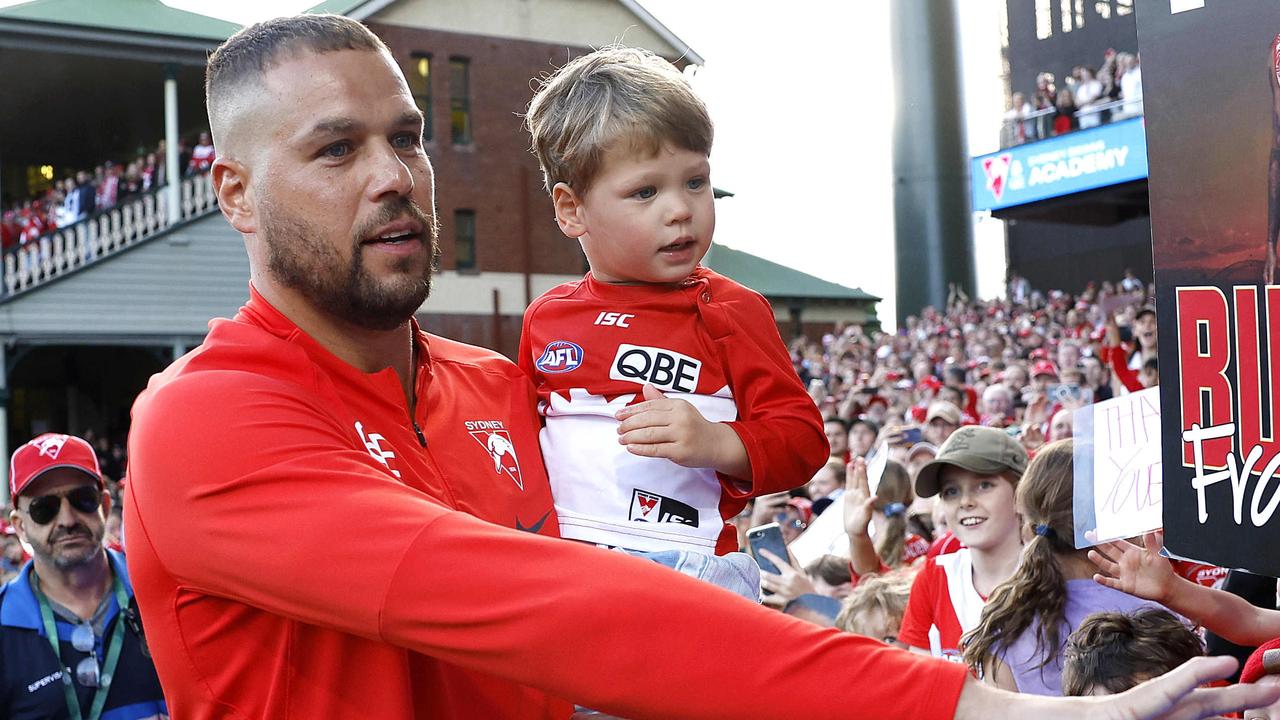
<point x="888" y="593"/>
<point x="615" y="93"/>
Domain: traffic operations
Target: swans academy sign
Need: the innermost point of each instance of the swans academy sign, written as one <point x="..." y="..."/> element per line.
<point x="1082" y="160"/>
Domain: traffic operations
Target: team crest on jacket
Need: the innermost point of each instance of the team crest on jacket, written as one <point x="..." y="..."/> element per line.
<point x="496" y="441"/>
<point x="560" y="356"/>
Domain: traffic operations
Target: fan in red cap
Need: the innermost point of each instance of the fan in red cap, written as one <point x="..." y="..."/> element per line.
<point x="48" y="452"/>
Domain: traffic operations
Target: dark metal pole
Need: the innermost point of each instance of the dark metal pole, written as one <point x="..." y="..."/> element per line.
<point x="934" y="238"/>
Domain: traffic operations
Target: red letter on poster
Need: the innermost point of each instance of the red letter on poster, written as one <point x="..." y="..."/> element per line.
<point x="1203" y="353"/>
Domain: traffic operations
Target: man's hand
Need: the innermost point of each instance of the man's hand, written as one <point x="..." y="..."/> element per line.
<point x="767" y="507"/>
<point x="1137" y="571"/>
<point x="674" y="429"/>
<point x="1176" y="695"/>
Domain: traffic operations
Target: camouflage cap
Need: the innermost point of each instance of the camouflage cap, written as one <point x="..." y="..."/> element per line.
<point x="983" y="450"/>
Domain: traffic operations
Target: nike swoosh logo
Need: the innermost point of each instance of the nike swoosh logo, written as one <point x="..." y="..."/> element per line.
<point x="536" y="526"/>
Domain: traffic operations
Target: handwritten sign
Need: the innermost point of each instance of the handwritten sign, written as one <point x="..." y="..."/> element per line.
<point x="1117" y="460"/>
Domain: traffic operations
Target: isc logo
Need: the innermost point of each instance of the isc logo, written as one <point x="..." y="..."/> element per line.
<point x="560" y="356"/>
<point x="622" y="320"/>
<point x="662" y="368"/>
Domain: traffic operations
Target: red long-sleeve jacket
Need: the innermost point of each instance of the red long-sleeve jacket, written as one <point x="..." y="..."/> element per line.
<point x="299" y="552"/>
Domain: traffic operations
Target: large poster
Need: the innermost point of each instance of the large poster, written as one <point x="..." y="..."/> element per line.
<point x="1211" y="87"/>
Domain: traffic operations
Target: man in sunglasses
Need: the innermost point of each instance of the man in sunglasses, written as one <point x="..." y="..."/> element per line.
<point x="68" y="631"/>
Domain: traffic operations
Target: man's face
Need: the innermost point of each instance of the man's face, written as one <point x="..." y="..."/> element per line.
<point x="938" y="430"/>
<point x="647" y="218"/>
<point x="72" y="538"/>
<point x="838" y="437"/>
<point x="341" y="189"/>
<point x="12" y="549"/>
<point x="1092" y="371"/>
<point x="1061" y="428"/>
<point x="1068" y="356"/>
<point x="861" y="438"/>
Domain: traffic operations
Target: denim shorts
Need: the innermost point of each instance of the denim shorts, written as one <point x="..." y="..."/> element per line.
<point x="735" y="571"/>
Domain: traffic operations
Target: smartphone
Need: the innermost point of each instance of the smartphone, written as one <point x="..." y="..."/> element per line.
<point x="911" y="436"/>
<point x="768" y="537"/>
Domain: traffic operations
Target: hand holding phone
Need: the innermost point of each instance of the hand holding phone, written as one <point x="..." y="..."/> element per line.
<point x="769" y="537"/>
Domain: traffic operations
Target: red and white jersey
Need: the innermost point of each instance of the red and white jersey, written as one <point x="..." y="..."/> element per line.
<point x="1210" y="576"/>
<point x="591" y="346"/>
<point x="202" y="157"/>
<point x="943" y="605"/>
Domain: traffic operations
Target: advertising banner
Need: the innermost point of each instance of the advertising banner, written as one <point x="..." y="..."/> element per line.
<point x="1084" y="160"/>
<point x="1211" y="87"/>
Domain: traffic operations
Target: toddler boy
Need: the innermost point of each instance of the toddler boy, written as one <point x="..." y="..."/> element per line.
<point x="668" y="396"/>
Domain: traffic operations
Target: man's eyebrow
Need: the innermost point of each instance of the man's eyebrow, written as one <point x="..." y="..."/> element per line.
<point x="410" y="117"/>
<point x="332" y="126"/>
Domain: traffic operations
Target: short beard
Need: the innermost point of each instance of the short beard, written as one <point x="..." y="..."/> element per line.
<point x="299" y="257"/>
<point x="65" y="562"/>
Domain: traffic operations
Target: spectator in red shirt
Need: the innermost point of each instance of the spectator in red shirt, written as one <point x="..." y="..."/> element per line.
<point x="202" y="155"/>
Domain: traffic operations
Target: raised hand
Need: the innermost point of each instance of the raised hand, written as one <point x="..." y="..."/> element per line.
<point x="859" y="504"/>
<point x="1140" y="571"/>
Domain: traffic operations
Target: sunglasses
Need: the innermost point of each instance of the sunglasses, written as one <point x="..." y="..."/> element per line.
<point x="44" y="509"/>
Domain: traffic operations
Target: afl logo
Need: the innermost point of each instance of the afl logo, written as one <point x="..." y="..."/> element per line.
<point x="560" y="356"/>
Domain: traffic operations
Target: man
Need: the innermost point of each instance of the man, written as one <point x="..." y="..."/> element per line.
<point x="837" y="432"/>
<point x="73" y="590"/>
<point x="306" y="413"/>
<point x="942" y="419"/>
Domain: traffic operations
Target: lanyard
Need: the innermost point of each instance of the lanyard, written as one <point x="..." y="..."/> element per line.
<point x="113" y="652"/>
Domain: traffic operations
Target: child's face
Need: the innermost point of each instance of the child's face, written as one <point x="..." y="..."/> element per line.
<point x="645" y="219"/>
<point x="979" y="509"/>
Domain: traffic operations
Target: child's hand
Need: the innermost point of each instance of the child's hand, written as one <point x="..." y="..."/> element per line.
<point x="1137" y="571"/>
<point x="858" y="502"/>
<point x="675" y="430"/>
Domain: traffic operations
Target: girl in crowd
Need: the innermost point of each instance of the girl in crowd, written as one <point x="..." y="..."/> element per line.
<point x="974" y="476"/>
<point x="1019" y="641"/>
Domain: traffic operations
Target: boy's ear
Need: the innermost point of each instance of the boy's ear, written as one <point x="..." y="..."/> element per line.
<point x="569" y="215"/>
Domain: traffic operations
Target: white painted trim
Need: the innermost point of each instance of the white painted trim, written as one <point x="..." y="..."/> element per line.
<point x="663" y="31"/>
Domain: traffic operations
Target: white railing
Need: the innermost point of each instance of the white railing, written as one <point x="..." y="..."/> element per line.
<point x="102" y="235"/>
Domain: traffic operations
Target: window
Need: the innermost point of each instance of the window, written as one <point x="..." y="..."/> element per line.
<point x="460" y="100"/>
<point x="420" y="85"/>
<point x="1103" y="8"/>
<point x="1044" y="19"/>
<point x="1066" y="16"/>
<point x="1124" y="7"/>
<point x="464" y="239"/>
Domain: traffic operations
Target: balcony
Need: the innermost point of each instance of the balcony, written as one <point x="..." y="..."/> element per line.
<point x="1095" y="175"/>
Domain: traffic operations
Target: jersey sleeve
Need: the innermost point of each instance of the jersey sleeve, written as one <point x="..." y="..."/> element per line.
<point x="918" y="617"/>
<point x="240" y="486"/>
<point x="779" y="424"/>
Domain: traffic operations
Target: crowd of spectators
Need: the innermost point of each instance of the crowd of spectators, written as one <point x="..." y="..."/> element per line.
<point x="1086" y="98"/>
<point x="1014" y="368"/>
<point x="81" y="194"/>
<point x="1017" y="368"/>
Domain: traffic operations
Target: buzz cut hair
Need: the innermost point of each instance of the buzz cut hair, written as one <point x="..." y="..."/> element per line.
<point x="256" y="48"/>
<point x="613" y="94"/>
